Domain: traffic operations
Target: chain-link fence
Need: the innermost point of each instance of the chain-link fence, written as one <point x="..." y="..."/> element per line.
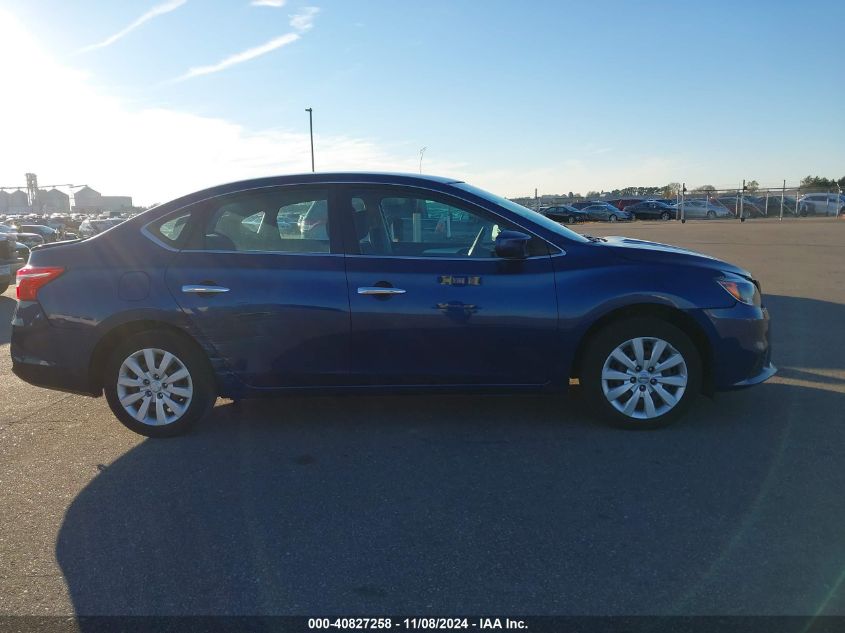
<point x="704" y="203"/>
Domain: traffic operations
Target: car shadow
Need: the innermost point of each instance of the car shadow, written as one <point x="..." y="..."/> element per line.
<point x="364" y="505"/>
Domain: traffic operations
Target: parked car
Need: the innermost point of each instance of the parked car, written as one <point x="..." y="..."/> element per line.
<point x="21" y="253"/>
<point x="651" y="210"/>
<point x="13" y="235"/>
<point x="621" y="203"/>
<point x="563" y="213"/>
<point x="821" y="204"/>
<point x="698" y="208"/>
<point x="48" y="233"/>
<point x="750" y="208"/>
<point x="187" y="302"/>
<point x="605" y="212"/>
<point x="13" y="256"/>
<point x="90" y="228"/>
<point x="313" y="223"/>
<point x="7" y="263"/>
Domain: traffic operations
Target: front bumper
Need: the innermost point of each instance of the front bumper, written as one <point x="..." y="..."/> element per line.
<point x="740" y="342"/>
<point x="766" y="372"/>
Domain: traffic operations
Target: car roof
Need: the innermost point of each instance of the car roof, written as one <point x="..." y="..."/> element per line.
<point x="317" y="178"/>
<point x="341" y="176"/>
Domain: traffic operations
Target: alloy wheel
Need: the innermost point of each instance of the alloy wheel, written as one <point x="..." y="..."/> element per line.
<point x="154" y="387"/>
<point x="644" y="378"/>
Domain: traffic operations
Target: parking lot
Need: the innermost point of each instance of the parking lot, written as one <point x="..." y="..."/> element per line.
<point x="365" y="505"/>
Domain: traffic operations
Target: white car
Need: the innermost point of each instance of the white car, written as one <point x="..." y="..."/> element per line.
<point x="821" y="204"/>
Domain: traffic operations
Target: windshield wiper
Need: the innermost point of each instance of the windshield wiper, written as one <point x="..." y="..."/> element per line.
<point x="593" y="238"/>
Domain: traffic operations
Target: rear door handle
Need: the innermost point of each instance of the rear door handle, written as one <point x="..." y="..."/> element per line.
<point x="379" y="290"/>
<point x="200" y="289"/>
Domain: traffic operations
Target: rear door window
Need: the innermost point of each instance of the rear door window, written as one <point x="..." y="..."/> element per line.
<point x="283" y="220"/>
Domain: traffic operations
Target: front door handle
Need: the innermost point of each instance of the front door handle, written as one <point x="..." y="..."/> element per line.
<point x="380" y="290"/>
<point x="201" y="289"/>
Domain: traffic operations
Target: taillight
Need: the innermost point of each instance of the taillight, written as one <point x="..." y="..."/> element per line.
<point x="31" y="278"/>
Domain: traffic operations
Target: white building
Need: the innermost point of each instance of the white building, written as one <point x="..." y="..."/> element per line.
<point x="88" y="199"/>
<point x="18" y="202"/>
<point x="53" y="201"/>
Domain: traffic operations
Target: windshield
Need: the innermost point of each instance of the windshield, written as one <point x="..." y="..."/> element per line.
<point x="523" y="212"/>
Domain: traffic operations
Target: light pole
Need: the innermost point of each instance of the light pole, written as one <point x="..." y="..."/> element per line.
<point x="422" y="151"/>
<point x="310" y="112"/>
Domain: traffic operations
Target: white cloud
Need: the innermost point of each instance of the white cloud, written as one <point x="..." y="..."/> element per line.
<point x="152" y="154"/>
<point x="156" y="154"/>
<point x="243" y="56"/>
<point x="159" y="9"/>
<point x="268" y="3"/>
<point x="304" y="20"/>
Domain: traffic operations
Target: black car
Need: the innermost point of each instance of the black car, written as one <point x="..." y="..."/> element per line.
<point x="48" y="233"/>
<point x="652" y="210"/>
<point x="563" y="213"/>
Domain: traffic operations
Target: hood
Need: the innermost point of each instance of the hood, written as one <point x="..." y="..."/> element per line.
<point x="644" y="251"/>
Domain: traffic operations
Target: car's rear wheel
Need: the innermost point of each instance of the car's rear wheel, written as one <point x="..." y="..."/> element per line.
<point x="158" y="384"/>
<point x="664" y="215"/>
<point x="642" y="373"/>
<point x="711" y="215"/>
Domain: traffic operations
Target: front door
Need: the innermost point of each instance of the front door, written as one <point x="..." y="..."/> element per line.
<point x="267" y="293"/>
<point x="430" y="302"/>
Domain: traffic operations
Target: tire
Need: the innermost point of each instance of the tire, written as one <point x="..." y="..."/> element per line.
<point x="194" y="393"/>
<point x="3" y="288"/>
<point x="570" y="219"/>
<point x="711" y="215"/>
<point x="600" y="364"/>
<point x="664" y="216"/>
<point x="613" y="218"/>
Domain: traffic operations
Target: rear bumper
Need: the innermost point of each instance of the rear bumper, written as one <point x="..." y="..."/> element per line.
<point x="42" y="357"/>
<point x="37" y="372"/>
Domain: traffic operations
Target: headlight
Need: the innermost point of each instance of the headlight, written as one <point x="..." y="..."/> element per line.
<point x="741" y="289"/>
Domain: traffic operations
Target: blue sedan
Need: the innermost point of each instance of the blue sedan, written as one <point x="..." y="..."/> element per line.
<point x="386" y="283"/>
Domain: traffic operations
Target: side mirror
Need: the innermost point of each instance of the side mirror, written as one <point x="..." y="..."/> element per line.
<point x="512" y="245"/>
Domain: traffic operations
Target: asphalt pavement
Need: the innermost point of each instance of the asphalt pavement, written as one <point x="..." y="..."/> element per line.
<point x="444" y="505"/>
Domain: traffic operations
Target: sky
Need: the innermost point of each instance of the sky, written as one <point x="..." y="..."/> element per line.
<point x="158" y="98"/>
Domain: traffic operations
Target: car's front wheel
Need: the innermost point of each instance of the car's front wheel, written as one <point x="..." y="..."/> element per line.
<point x="570" y="219"/>
<point x="613" y="218"/>
<point x="664" y="216"/>
<point x="642" y="373"/>
<point x="158" y="384"/>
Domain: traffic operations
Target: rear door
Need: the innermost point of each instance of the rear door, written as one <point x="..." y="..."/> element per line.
<point x="271" y="300"/>
<point x="430" y="302"/>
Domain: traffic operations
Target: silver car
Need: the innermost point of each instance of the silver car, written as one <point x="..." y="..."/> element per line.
<point x="696" y="209"/>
